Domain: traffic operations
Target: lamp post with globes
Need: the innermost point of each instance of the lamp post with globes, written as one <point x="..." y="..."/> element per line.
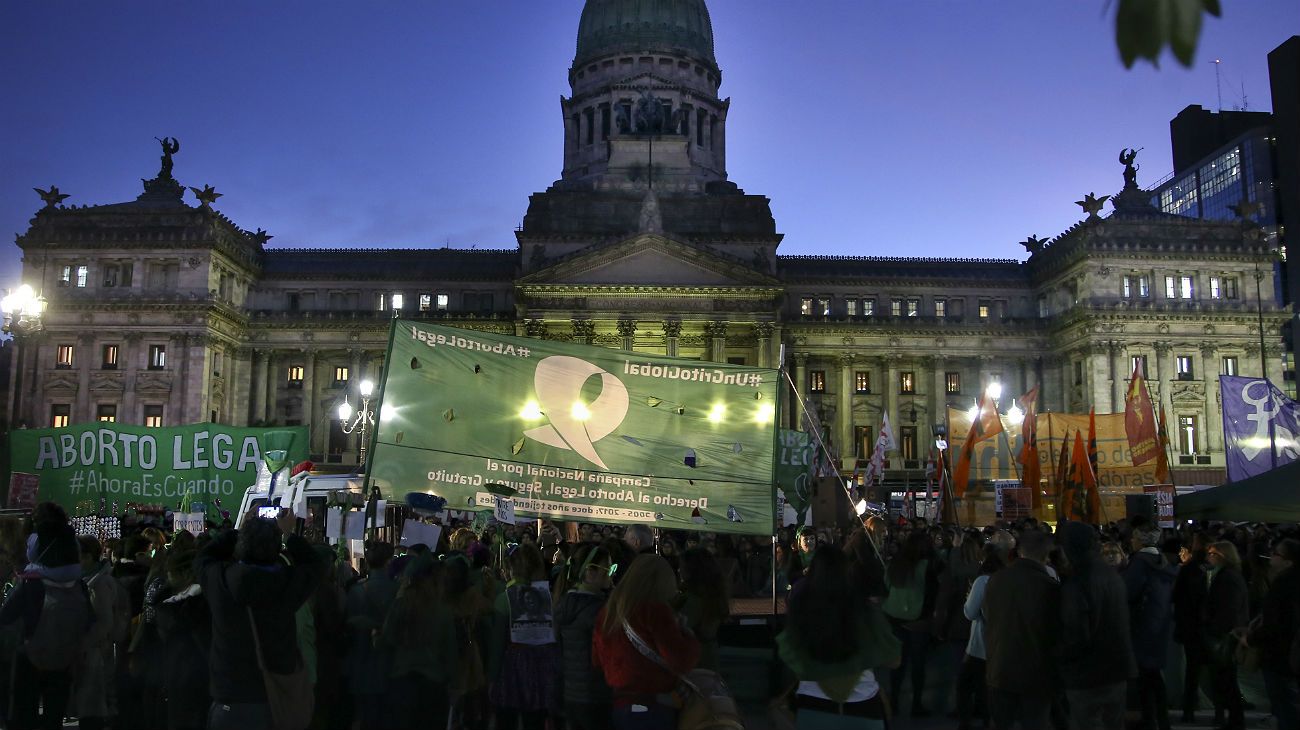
<point x="23" y="310"/>
<point x="359" y="421"/>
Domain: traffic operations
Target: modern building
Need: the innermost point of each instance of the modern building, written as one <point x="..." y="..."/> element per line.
<point x="163" y="311"/>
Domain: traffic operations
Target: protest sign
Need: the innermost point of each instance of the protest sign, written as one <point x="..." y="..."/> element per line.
<point x="22" y="490"/>
<point x="530" y="613"/>
<point x="415" y="532"/>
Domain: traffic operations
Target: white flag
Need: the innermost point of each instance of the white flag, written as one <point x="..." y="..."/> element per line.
<point x="887" y="434"/>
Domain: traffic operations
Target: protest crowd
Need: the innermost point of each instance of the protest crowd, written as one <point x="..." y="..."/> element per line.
<point x="518" y="627"/>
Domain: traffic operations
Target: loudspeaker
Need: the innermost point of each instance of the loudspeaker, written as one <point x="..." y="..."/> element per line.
<point x="1140" y="504"/>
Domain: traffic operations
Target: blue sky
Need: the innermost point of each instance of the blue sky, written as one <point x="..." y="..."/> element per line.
<point x="946" y="128"/>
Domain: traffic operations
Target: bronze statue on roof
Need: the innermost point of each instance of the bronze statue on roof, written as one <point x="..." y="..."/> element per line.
<point x="170" y="146"/>
<point x="1126" y="157"/>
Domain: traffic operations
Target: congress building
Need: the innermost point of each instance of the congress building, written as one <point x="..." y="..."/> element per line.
<point x="163" y="311"/>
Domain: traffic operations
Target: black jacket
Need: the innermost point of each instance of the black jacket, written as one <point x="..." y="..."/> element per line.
<point x="575" y="621"/>
<point x="1278" y="622"/>
<point x="185" y="628"/>
<point x="1189" y="601"/>
<point x="274" y="593"/>
<point x="1022" y="627"/>
<point x="1149" y="579"/>
<point x="1226" y="604"/>
<point x="1096" y="648"/>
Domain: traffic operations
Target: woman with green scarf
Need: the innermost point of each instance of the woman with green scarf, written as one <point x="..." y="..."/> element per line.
<point x="835" y="640"/>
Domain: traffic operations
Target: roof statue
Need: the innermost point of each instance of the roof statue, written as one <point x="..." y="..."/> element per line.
<point x="647" y="115"/>
<point x="170" y="146"/>
<point x="1126" y="157"/>
<point x="260" y="237"/>
<point x="206" y="197"/>
<point x="52" y="197"/>
<point x="1092" y="205"/>
<point x="1034" y="244"/>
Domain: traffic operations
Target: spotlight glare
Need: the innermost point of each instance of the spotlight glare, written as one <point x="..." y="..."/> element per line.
<point x="717" y="413"/>
<point x="531" y="411"/>
<point x="580" y="412"/>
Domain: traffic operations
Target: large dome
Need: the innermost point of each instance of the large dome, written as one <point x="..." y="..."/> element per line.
<point x="622" y="26"/>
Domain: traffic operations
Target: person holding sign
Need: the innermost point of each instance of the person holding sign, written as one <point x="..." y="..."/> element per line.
<point x="525" y="687"/>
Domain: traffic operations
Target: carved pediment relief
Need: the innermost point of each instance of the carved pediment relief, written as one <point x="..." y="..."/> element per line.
<point x="61" y="383"/>
<point x="1187" y="392"/>
<point x="106" y="383"/>
<point x="649" y="260"/>
<point x="153" y="383"/>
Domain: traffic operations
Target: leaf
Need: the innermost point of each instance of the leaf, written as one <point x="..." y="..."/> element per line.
<point x="1139" y="30"/>
<point x="1184" y="28"/>
<point x="518" y="446"/>
<point x="449" y="415"/>
<point x="1212" y="7"/>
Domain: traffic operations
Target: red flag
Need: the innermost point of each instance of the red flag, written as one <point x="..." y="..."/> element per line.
<point x="1140" y="420"/>
<point x="1092" y="439"/>
<point x="985" y="425"/>
<point x="1028" y="457"/>
<point x="1063" y="497"/>
<point x="1081" y="500"/>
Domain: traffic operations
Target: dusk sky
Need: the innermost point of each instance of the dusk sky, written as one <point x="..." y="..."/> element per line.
<point x="947" y="128"/>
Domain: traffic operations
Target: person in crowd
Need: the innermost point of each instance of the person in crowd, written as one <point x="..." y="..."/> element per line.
<point x="1190" y="589"/>
<point x="524" y="688"/>
<point x="1226" y="609"/>
<point x="1022" y="615"/>
<point x="835" y="639"/>
<point x="912" y="577"/>
<point x="131" y="571"/>
<point x="472" y="611"/>
<point x="1112" y="554"/>
<point x="147" y="655"/>
<point x="369" y="661"/>
<point x="965" y="558"/>
<point x="420" y="635"/>
<point x="1274" y="633"/>
<point x="703" y="601"/>
<point x="1149" y="582"/>
<point x="185" y="629"/>
<point x="972" y="690"/>
<point x="639" y="538"/>
<point x="638" y="610"/>
<point x="93" y="696"/>
<point x="582" y="591"/>
<point x="1096" y="649"/>
<point x="52" y="606"/>
<point x="669" y="551"/>
<point x="251" y="585"/>
<point x="333" y="709"/>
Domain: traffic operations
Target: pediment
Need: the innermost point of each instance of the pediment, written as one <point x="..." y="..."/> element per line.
<point x="649" y="259"/>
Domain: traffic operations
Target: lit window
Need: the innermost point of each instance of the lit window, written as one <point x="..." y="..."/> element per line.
<point x="443" y="301"/>
<point x="824" y="307"/>
<point x="63" y="357"/>
<point x="1229" y="366"/>
<point x="1187" y="435"/>
<point x="398" y="299"/>
<point x="940" y="308"/>
<point x="1216" y="292"/>
<point x="806" y="306"/>
<point x="1128" y="287"/>
<point x="868" y="307"/>
<point x="426" y="302"/>
<point x="817" y="381"/>
<point x="1171" y="287"/>
<point x="296" y="373"/>
<point x="110" y="357"/>
<point x="862" y="381"/>
<point x="60" y="415"/>
<point x="157" y="357"/>
<point x="913" y="307"/>
<point x="952" y="382"/>
<point x="1138" y="363"/>
<point x="381" y="302"/>
<point x="907" y="442"/>
<point x="1185" y="287"/>
<point x="65" y="276"/>
<point x="851" y="307"/>
<point x="83" y="276"/>
<point x="1144" y="286"/>
<point x="153" y="416"/>
<point x="896" y="307"/>
<point x="106" y="412"/>
<point x="906" y="382"/>
<point x="984" y="308"/>
<point x="340" y="375"/>
<point x="1183" y="366"/>
<point x="1230" y="287"/>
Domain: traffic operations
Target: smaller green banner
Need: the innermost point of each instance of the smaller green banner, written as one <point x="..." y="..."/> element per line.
<point x="78" y="465"/>
<point x="793" y="465"/>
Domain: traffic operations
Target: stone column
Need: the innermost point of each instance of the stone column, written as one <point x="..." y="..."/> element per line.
<point x="82" y="355"/>
<point x="672" y="331"/>
<point x="1164" y="378"/>
<point x="129" y="363"/>
<point x="1213" y="422"/>
<point x="717" y="332"/>
<point x="939" y="395"/>
<point x="271" y="386"/>
<point x="583" y="331"/>
<point x="184" y="368"/>
<point x="801" y="388"/>
<point x="763" y="331"/>
<point x="844" y="432"/>
<point x="891" y="390"/>
<point x="309" y="400"/>
<point x="1273" y="365"/>
<point x="259" y="385"/>
<point x="627" y="331"/>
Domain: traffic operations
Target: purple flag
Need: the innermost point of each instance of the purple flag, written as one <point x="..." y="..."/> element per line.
<point x="1256" y="415"/>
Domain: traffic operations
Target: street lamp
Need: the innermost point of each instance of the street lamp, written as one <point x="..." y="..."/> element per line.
<point x="359" y="421"/>
<point x="23" y="310"/>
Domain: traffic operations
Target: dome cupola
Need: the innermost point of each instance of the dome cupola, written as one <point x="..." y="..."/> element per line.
<point x="680" y="27"/>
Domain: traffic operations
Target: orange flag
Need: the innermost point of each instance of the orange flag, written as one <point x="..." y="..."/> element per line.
<point x="1064" y="499"/>
<point x="1028" y="457"/>
<point x="1140" y="420"/>
<point x="986" y="425"/>
<point x="1092" y="440"/>
<point x="1083" y="501"/>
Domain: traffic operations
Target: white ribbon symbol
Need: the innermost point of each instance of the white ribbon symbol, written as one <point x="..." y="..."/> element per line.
<point x="1265" y="409"/>
<point x="559" y="380"/>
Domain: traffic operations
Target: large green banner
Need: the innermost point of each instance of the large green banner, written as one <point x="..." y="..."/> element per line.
<point x="576" y="432"/>
<point x="79" y="465"/>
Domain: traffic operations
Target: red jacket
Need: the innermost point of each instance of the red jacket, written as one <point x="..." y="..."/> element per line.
<point x="632" y="676"/>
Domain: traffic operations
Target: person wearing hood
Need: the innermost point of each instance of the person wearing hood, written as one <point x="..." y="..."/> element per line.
<point x="1096" y="649"/>
<point x="251" y="585"/>
<point x="93" y="696"/>
<point x="1149" y="582"/>
<point x="587" y="700"/>
<point x="185" y="627"/>
<point x="1274" y="632"/>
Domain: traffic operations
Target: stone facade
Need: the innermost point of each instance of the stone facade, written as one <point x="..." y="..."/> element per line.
<point x="163" y="312"/>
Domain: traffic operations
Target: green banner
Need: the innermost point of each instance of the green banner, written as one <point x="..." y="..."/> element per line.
<point x="78" y="465"/>
<point x="578" y="433"/>
<point x="793" y="466"/>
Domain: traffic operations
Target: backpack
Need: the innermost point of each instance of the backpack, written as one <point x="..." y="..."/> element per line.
<point x="906" y="602"/>
<point x="61" y="629"/>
